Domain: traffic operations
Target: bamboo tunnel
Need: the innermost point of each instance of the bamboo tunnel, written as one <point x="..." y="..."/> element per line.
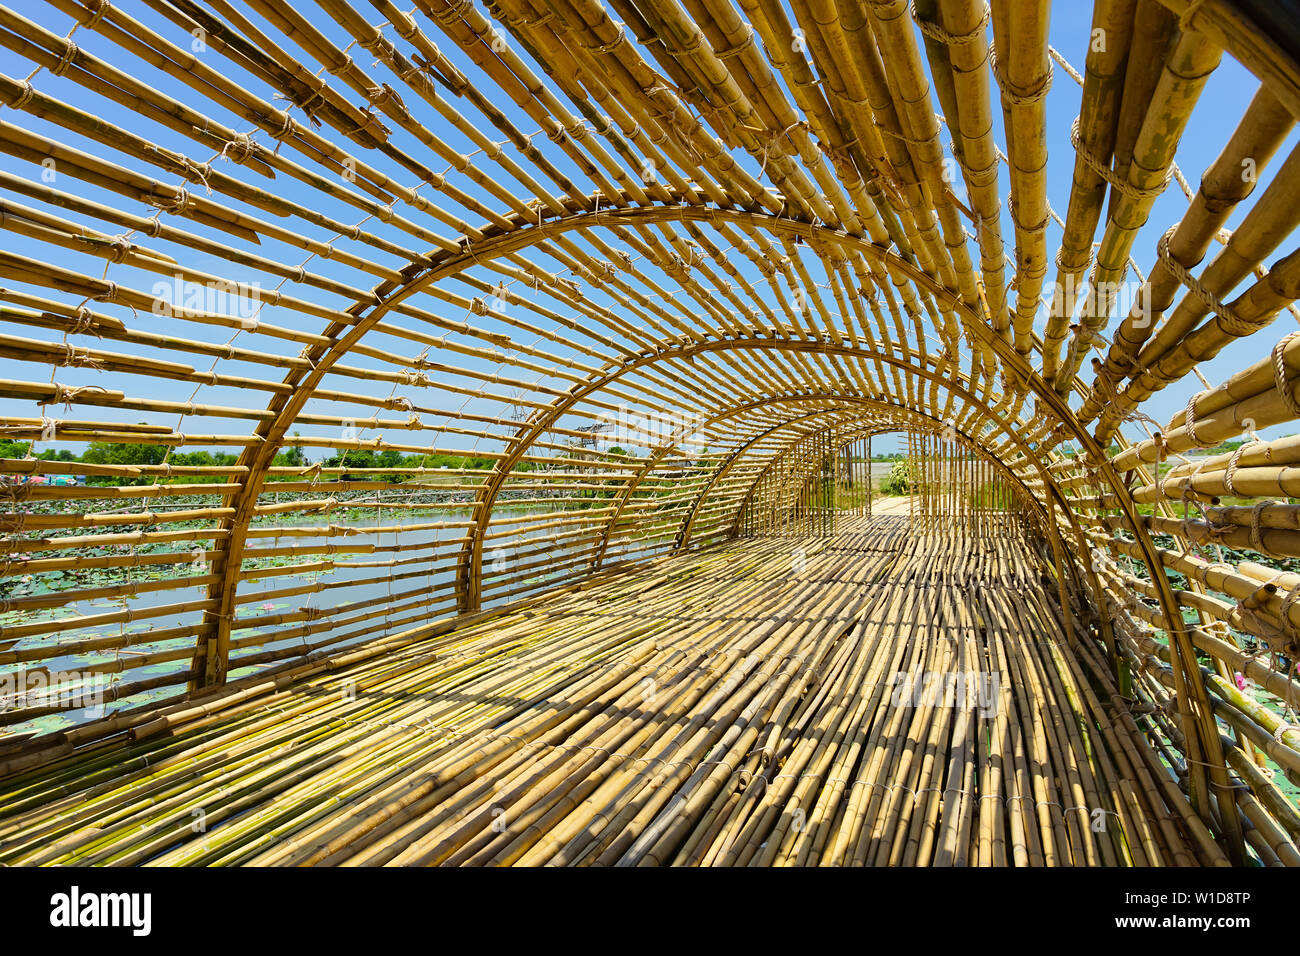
<point x="557" y="432"/>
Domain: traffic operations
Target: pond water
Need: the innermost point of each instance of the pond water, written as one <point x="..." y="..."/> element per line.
<point x="428" y="570"/>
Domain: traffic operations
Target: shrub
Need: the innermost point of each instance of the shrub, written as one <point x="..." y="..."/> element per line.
<point x="899" y="481"/>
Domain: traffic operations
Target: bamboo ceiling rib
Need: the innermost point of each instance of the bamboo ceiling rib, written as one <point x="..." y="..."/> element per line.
<point x="1094" y="135"/>
<point x="337" y="337"/>
<point x="1222" y="187"/>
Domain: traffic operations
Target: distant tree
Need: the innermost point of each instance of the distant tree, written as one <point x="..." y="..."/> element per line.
<point x="122" y="453"/>
<point x="391" y="458"/>
<point x="351" y="458"/>
<point x="291" y="457"/>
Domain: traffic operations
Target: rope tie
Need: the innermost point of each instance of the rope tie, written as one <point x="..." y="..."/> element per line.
<point x="373" y="44"/>
<point x="613" y="44"/>
<point x="1065" y="64"/>
<point x="1189" y="423"/>
<point x="1232" y="467"/>
<point x="680" y="130"/>
<point x="1292" y="596"/>
<point x="1256" y="518"/>
<point x="1041" y="227"/>
<point x="239" y="149"/>
<point x="25" y="96"/>
<point x="1020" y="96"/>
<point x="65" y="61"/>
<point x="841" y="158"/>
<point x="769" y="143"/>
<point x="937" y="33"/>
<point x="68" y="394"/>
<point x="689" y="50"/>
<point x="398" y="22"/>
<point x="899" y="136"/>
<point x="739" y="48"/>
<point x="199" y="172"/>
<point x="121" y="249"/>
<point x="1222" y="566"/>
<point x="370" y="120"/>
<point x="1103" y="170"/>
<point x="1227" y="318"/>
<point x="1279" y="374"/>
<point x="1186" y="489"/>
<point x="1216" y="533"/>
<point x="83" y="321"/>
<point x="101" y="7"/>
<point x="177" y="205"/>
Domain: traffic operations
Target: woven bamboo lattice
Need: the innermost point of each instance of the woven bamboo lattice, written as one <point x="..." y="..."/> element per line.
<point x="360" y="326"/>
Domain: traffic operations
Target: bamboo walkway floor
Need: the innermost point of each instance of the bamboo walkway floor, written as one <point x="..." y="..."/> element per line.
<point x="740" y="705"/>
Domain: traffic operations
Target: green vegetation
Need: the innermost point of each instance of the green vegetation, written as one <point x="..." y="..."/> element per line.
<point x="124" y="453"/>
<point x="18" y="449"/>
<point x="901" y="479"/>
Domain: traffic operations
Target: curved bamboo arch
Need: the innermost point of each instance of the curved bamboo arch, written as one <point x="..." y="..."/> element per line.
<point x="653" y="461"/>
<point x="439" y="265"/>
<point x="472" y="555"/>
<point x="1023" y="493"/>
<point x="431" y="270"/>
<point x="1049" y="523"/>
<point x="683" y="537"/>
<point x="417" y="276"/>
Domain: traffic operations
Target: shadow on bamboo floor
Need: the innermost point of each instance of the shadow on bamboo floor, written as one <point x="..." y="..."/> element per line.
<point x="875" y="698"/>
